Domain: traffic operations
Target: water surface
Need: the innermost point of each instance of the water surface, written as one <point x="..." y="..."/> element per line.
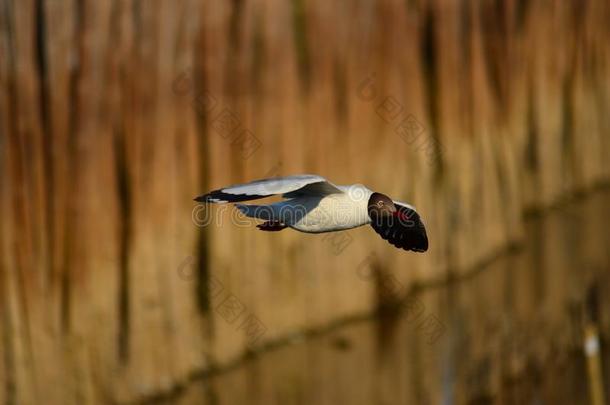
<point x="511" y="333"/>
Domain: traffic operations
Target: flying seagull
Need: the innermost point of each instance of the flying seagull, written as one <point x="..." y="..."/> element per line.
<point x="313" y="204"/>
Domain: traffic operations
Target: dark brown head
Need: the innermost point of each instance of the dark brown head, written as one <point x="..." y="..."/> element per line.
<point x="397" y="223"/>
<point x="380" y="205"/>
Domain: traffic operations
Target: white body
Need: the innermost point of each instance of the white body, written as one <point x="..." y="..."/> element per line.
<point x="316" y="214"/>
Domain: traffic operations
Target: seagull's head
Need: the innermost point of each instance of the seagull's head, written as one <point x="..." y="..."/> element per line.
<point x="380" y="205"/>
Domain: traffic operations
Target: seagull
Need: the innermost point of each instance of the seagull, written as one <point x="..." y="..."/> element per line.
<point x="312" y="204"/>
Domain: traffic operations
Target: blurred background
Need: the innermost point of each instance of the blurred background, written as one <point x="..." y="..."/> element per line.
<point x="491" y="117"/>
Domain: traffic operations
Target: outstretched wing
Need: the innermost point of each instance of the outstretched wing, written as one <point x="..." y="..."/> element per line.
<point x="405" y="230"/>
<point x="289" y="186"/>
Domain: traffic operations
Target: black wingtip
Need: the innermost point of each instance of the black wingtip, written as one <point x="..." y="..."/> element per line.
<point x="218" y="196"/>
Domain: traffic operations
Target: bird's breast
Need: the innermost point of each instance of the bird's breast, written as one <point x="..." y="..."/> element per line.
<point x="331" y="213"/>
